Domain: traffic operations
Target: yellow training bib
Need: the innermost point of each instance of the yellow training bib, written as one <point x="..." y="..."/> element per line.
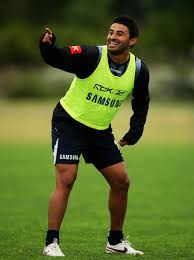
<point x="94" y="101"/>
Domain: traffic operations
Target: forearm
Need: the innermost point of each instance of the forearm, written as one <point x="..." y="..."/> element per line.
<point x="138" y="120"/>
<point x="140" y="105"/>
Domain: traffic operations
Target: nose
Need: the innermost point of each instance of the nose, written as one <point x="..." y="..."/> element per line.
<point x="113" y="37"/>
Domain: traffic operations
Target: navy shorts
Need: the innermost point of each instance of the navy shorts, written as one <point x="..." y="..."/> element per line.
<point x="70" y="139"/>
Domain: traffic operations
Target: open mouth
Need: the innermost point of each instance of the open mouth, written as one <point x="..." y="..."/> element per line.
<point x="113" y="44"/>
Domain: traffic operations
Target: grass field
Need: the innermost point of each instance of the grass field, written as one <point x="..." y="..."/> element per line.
<point x="160" y="216"/>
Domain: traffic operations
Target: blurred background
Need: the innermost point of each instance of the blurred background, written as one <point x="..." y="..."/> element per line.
<point x="29" y="88"/>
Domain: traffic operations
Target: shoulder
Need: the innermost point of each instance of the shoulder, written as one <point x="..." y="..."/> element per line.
<point x="88" y="50"/>
<point x="81" y="51"/>
<point x="141" y="84"/>
<point x="141" y="69"/>
<point x="92" y="54"/>
<point x="140" y="63"/>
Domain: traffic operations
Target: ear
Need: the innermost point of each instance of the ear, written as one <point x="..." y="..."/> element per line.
<point x="132" y="41"/>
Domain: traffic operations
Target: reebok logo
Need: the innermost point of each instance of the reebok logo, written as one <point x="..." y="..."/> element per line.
<point x="118" y="92"/>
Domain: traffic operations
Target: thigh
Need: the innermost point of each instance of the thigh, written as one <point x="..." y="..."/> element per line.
<point x="103" y="151"/>
<point x="65" y="175"/>
<point x="67" y="141"/>
<point x="115" y="174"/>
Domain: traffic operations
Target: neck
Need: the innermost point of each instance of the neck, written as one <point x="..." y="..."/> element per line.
<point x="119" y="58"/>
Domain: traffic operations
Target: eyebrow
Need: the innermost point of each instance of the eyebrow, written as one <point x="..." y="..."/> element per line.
<point x="117" y="31"/>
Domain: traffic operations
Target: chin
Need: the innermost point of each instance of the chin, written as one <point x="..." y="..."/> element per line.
<point x="114" y="51"/>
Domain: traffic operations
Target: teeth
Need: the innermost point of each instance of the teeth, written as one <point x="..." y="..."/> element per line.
<point x="113" y="43"/>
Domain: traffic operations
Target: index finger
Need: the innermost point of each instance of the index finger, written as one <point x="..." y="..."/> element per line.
<point x="48" y="30"/>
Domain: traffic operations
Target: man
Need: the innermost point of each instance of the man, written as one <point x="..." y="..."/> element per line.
<point x="105" y="75"/>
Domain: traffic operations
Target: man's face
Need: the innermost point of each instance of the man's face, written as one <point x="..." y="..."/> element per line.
<point x="118" y="39"/>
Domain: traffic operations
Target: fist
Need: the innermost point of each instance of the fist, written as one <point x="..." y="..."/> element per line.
<point x="48" y="36"/>
<point x="123" y="142"/>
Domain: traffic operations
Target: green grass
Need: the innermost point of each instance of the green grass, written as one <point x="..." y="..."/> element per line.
<point x="160" y="217"/>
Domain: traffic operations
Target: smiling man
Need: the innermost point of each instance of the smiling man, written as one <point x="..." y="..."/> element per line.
<point x="81" y="123"/>
<point x="118" y="42"/>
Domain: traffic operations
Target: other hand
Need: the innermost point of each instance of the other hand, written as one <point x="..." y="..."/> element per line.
<point x="122" y="142"/>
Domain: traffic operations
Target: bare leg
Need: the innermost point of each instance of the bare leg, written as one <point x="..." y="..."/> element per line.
<point x="65" y="177"/>
<point x="118" y="179"/>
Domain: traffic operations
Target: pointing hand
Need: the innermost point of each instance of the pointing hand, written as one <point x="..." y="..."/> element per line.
<point x="48" y="36"/>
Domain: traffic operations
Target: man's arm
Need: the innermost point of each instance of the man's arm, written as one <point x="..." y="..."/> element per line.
<point x="80" y="60"/>
<point x="140" y="106"/>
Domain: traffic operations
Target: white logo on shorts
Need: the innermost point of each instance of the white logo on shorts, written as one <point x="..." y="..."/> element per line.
<point x="69" y="157"/>
<point x="116" y="143"/>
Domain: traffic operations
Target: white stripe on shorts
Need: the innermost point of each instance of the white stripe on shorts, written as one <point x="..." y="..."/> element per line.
<point x="55" y="151"/>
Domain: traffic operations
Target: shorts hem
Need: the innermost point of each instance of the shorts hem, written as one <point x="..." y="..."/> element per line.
<point x="66" y="162"/>
<point x="101" y="167"/>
